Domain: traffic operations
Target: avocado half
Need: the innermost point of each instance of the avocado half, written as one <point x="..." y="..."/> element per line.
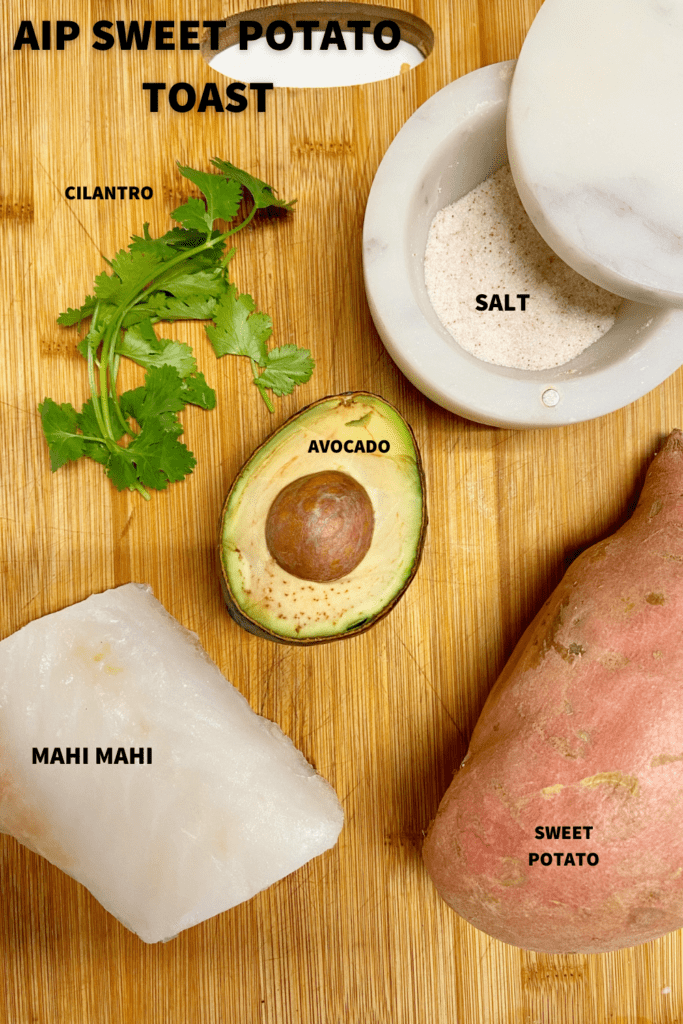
<point x="366" y="438"/>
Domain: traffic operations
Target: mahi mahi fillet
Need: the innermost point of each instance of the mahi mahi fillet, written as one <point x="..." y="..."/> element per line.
<point x="227" y="805"/>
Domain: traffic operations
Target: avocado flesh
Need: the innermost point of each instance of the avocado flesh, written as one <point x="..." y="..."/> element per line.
<point x="263" y="597"/>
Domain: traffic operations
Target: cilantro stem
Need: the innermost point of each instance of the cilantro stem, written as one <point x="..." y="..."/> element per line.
<point x="93" y="390"/>
<point x="264" y="396"/>
<point x="261" y="388"/>
<point x="90" y="437"/>
<point x="104" y="388"/>
<point x="228" y="256"/>
<point x="108" y="374"/>
<point x="112" y="394"/>
<point x="242" y="224"/>
<point x="103" y="421"/>
<point x="138" y="487"/>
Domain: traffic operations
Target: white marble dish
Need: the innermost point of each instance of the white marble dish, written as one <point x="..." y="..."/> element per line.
<point x="451" y="143"/>
<point x="595" y="141"/>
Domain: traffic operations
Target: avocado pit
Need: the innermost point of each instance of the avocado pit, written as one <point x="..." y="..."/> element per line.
<point x="319" y="527"/>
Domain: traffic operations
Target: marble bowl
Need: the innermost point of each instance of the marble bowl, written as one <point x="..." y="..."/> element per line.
<point x="450" y="144"/>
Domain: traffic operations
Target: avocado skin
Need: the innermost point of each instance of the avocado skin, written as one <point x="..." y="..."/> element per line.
<point x="258" y="629"/>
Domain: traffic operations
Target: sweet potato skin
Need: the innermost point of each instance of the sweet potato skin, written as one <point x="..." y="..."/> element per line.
<point x="583" y="728"/>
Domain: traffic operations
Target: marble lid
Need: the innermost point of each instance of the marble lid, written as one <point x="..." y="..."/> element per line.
<point x="595" y="141"/>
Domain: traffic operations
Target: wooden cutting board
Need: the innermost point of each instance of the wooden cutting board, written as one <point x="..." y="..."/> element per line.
<point x="358" y="936"/>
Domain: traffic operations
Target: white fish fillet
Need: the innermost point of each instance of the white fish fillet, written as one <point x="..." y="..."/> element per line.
<point x="228" y="805"/>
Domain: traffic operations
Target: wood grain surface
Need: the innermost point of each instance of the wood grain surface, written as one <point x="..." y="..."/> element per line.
<point x="358" y="936"/>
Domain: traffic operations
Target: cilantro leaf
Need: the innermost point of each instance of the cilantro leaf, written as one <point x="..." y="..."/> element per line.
<point x="196" y="391"/>
<point x="76" y="316"/>
<point x="160" y="248"/>
<point x="176" y="461"/>
<point x="262" y="194"/>
<point x="135" y="268"/>
<point x="162" y="393"/>
<point x="98" y="452"/>
<point x="147" y="452"/>
<point x="154" y="458"/>
<point x="223" y="198"/>
<point x="132" y="403"/>
<point x="238" y="329"/>
<point x="131" y="271"/>
<point x="146" y="310"/>
<point x="141" y="344"/>
<point x="60" y="426"/>
<point x="186" y="284"/>
<point x="120" y="469"/>
<point x="107" y="287"/>
<point x="168" y="307"/>
<point x="174" y="241"/>
<point x="193" y="214"/>
<point x="286" y="367"/>
<point x="185" y="238"/>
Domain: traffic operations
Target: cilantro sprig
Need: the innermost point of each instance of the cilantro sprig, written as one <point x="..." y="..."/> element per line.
<point x="182" y="275"/>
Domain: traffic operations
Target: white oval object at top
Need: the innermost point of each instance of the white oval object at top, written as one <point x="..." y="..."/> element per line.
<point x="317" y="67"/>
<point x="318" y="44"/>
<point x="595" y="141"/>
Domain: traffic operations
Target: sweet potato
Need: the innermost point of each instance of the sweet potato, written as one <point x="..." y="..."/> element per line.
<point x="579" y="751"/>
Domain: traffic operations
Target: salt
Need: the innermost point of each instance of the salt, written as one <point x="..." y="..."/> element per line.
<point x="485" y="245"/>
